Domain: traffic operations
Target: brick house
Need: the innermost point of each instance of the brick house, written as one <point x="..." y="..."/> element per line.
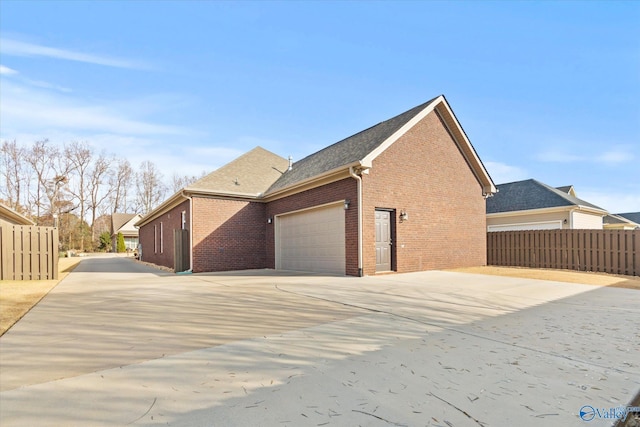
<point x="407" y="194"/>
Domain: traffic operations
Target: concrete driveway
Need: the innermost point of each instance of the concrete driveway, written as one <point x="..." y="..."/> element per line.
<point x="117" y="343"/>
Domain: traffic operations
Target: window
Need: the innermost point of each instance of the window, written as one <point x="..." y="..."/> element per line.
<point x="161" y="240"/>
<point x="155" y="239"/>
<point x="184" y="220"/>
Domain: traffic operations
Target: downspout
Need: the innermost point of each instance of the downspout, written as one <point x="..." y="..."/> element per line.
<point x="190" y="231"/>
<point x="359" y="179"/>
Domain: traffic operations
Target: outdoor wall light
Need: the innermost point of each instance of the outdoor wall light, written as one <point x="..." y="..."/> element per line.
<point x="346" y="204"/>
<point x="404" y="216"/>
<point x="269" y="220"/>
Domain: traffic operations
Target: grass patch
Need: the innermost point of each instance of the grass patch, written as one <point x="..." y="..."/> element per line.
<point x="17" y="297"/>
<point x="568" y="276"/>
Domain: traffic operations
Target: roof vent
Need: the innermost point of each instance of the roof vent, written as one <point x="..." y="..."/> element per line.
<point x="290" y="163"/>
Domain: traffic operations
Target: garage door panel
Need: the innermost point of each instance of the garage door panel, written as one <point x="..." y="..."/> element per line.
<point x="313" y="240"/>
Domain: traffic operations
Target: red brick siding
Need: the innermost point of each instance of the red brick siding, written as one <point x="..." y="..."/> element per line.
<point x="425" y="173"/>
<point x="345" y="189"/>
<point x="228" y="235"/>
<point x="171" y="221"/>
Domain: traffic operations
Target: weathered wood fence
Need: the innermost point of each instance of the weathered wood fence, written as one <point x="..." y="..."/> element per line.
<point x="608" y="251"/>
<point x="28" y="252"/>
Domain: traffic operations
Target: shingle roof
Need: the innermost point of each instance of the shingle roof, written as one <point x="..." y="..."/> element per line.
<point x="631" y="216"/>
<point x="615" y="219"/>
<point x="252" y="173"/>
<point x="347" y="151"/>
<point x="120" y="219"/>
<point x="531" y="194"/>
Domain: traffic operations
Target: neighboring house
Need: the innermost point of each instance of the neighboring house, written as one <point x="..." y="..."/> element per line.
<point x="124" y="223"/>
<point x="532" y="205"/>
<point x="622" y="221"/>
<point x="631" y="216"/>
<point x="407" y="194"/>
<point x="12" y="217"/>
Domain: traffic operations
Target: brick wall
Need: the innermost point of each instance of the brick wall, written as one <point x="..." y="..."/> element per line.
<point x="345" y="189"/>
<point x="425" y="174"/>
<point x="228" y="235"/>
<point x="168" y="222"/>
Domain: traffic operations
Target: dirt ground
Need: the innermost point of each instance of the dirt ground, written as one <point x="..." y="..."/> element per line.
<point x="587" y="278"/>
<point x="18" y="296"/>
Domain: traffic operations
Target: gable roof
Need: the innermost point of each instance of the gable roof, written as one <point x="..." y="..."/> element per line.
<point x="631" y="216"/>
<point x="531" y="194"/>
<point x="260" y="174"/>
<point x="362" y="148"/>
<point x="118" y="220"/>
<point x="250" y="174"/>
<point x="567" y="189"/>
<point x="13" y="217"/>
<point x="618" y="219"/>
<point x="124" y="223"/>
<point x="347" y="151"/>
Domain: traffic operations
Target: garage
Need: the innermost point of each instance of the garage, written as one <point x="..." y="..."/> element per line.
<point x="312" y="240"/>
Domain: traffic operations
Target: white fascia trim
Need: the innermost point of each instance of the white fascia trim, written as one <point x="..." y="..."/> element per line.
<point x="531" y="212"/>
<point x="327" y="174"/>
<point x="206" y="192"/>
<point x="588" y="209"/>
<point x="470" y="155"/>
<point x="369" y="158"/>
<point x="166" y="206"/>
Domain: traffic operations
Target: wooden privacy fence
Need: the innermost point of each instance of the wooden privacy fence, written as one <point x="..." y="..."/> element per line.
<point x="28" y="252"/>
<point x="609" y="251"/>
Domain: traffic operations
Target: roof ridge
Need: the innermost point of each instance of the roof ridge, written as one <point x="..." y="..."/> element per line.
<point x="348" y="150"/>
<point x="423" y="105"/>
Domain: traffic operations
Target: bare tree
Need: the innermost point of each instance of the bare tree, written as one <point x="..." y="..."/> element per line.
<point x="80" y="155"/>
<point x="120" y="183"/>
<point x="179" y="182"/>
<point x="149" y="187"/>
<point x="98" y="178"/>
<point x="39" y="158"/>
<point x="13" y="171"/>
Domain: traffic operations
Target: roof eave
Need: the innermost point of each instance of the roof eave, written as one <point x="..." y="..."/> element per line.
<point x="194" y="191"/>
<point x="323" y="178"/>
<point x="164" y="207"/>
<point x="567" y="208"/>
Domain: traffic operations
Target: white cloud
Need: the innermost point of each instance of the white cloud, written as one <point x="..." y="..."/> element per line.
<point x="19" y="48"/>
<point x="614" y="202"/>
<point x="502" y="173"/>
<point x="615" y="156"/>
<point x="6" y="71"/>
<point x="23" y="108"/>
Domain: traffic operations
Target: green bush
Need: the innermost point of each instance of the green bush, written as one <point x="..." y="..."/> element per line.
<point x="105" y="241"/>
<point x="121" y="247"/>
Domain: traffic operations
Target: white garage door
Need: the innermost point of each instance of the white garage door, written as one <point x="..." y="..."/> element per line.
<point x="542" y="225"/>
<point x="312" y="240"/>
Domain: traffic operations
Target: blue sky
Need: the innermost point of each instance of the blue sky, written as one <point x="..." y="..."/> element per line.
<point x="544" y="90"/>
